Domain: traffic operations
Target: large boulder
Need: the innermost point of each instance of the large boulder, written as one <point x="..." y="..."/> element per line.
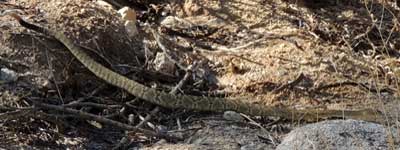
<point x="341" y="134"/>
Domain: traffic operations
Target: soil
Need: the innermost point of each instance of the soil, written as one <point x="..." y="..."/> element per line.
<point x="345" y="52"/>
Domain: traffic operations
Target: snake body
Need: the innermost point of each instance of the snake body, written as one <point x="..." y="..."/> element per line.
<point x="187" y="101"/>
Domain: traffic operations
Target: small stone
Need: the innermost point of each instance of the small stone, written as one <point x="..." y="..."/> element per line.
<point x="192" y="8"/>
<point x="233" y="116"/>
<point x="162" y="129"/>
<point x="175" y="23"/>
<point x="163" y="64"/>
<point x="131" y="29"/>
<point x="8" y="75"/>
<point x="104" y="4"/>
<point x="95" y="124"/>
<point x="131" y="118"/>
<point x="161" y="142"/>
<point x="127" y="14"/>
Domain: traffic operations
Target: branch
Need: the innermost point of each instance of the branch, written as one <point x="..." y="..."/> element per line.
<point x="84" y="115"/>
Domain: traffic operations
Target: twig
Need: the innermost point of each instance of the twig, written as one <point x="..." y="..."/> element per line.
<point x="50" y="67"/>
<point x="84" y="115"/>
<point x="173" y="91"/>
<point x="235" y="50"/>
<point x="99" y="54"/>
<point x="148" y="117"/>
<point x="90" y="104"/>
<point x="16" y="113"/>
<point x="270" y="137"/>
<point x="11" y="64"/>
<point x="337" y="84"/>
<point x="184" y="130"/>
<point x="122" y="144"/>
<point x="290" y="84"/>
<point x="7" y="108"/>
<point x="185" y="78"/>
<point x="220" y="52"/>
<point x="118" y="113"/>
<point x="80" y="100"/>
<point x="352" y="83"/>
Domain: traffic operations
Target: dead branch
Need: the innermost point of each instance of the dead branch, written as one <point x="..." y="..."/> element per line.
<point x="290" y="84"/>
<point x="173" y="91"/>
<point x="84" y="115"/>
<point x="363" y="86"/>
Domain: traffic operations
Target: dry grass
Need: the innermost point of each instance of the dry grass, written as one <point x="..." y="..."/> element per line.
<point x="347" y="50"/>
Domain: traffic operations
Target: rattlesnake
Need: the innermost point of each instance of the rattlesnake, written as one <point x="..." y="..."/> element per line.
<point x="192" y="102"/>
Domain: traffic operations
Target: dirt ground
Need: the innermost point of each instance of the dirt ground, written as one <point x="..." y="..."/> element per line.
<point x="344" y="55"/>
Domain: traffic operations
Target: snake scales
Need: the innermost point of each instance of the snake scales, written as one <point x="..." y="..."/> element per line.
<point x="194" y="102"/>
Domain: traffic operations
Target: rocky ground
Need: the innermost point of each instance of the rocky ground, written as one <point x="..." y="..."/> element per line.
<point x="343" y="55"/>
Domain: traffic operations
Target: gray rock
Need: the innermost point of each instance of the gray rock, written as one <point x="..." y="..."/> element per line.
<point x="233" y="116"/>
<point x="163" y="64"/>
<point x="218" y="135"/>
<point x="8" y="75"/>
<point x="341" y="134"/>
